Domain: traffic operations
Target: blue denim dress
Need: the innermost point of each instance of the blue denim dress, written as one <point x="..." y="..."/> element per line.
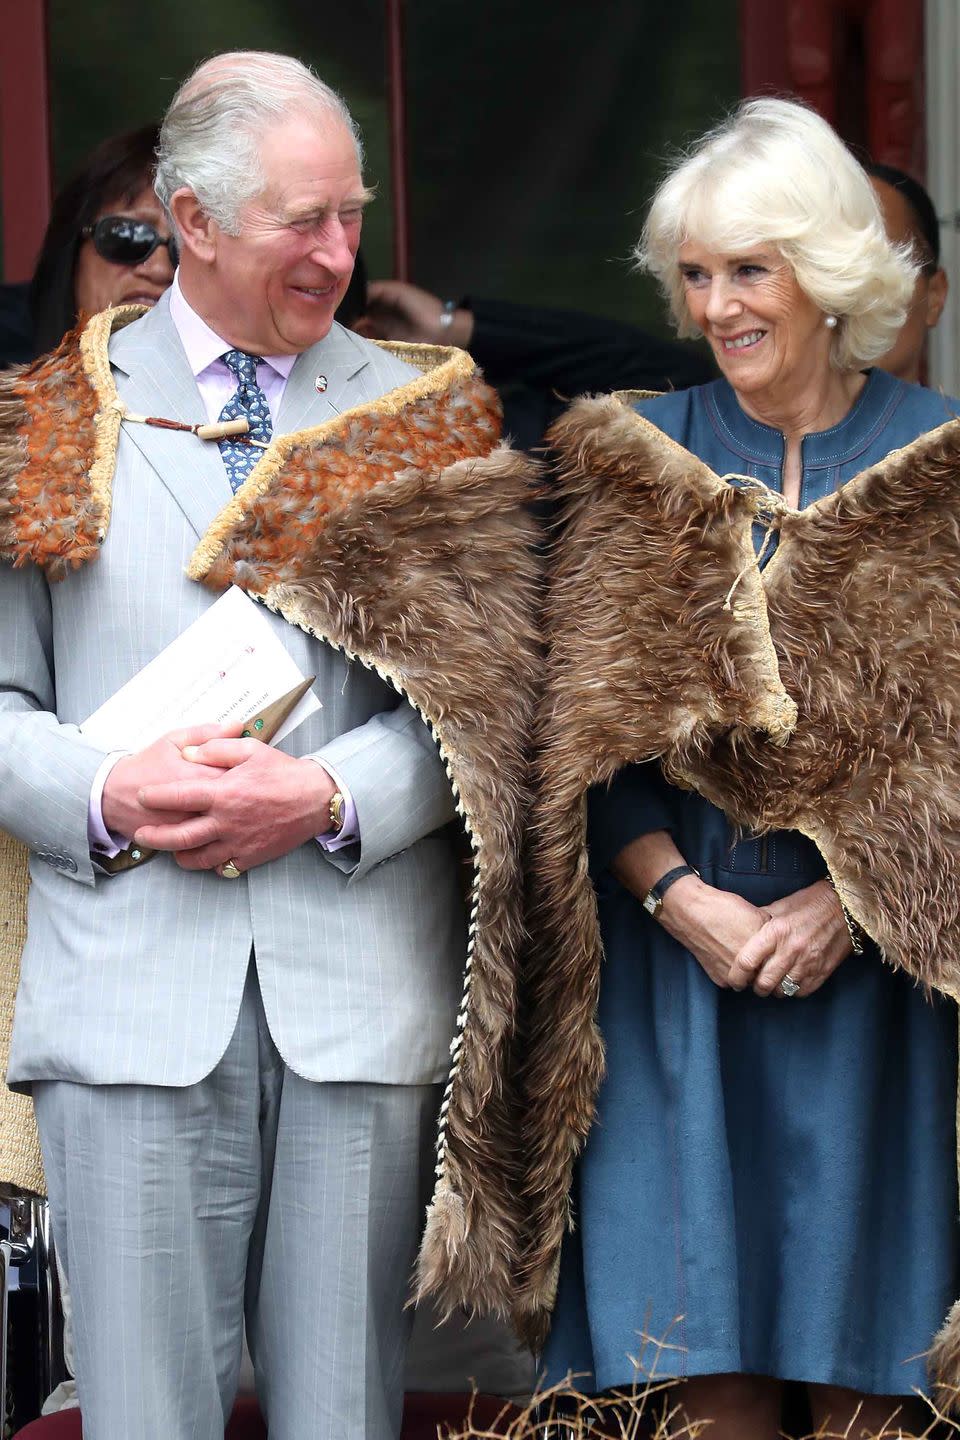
<point x="770" y="1187"/>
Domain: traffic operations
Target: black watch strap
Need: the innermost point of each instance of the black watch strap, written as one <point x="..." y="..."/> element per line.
<point x="653" y="899"/>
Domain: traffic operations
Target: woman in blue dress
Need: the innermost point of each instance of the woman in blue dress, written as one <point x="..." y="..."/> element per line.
<point x="768" y="1192"/>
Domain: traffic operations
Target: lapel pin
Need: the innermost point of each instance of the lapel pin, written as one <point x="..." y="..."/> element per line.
<point x="320" y="384"/>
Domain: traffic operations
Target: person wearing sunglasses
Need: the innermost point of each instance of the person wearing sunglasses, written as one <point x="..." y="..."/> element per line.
<point x="108" y="241"/>
<point x="126" y="240"/>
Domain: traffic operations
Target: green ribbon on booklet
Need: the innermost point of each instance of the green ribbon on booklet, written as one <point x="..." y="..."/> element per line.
<point x="262" y="725"/>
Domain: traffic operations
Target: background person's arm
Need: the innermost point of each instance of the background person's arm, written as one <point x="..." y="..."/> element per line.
<point x="545" y="347"/>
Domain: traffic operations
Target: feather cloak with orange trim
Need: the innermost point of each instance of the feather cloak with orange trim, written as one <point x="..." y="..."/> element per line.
<point x="399" y="533"/>
<point x="820" y="695"/>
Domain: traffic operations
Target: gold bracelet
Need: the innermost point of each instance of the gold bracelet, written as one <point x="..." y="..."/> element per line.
<point x="854" y="929"/>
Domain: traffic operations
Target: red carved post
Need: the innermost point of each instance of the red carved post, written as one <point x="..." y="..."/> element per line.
<point x="25" y="168"/>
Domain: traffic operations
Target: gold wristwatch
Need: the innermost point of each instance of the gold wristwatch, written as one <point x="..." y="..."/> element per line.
<point x="338" y="812"/>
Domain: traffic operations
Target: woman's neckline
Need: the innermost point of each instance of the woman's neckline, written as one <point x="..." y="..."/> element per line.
<point x="766" y="444"/>
<point x="837" y="405"/>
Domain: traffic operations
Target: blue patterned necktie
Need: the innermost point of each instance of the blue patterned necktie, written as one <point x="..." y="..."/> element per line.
<point x="249" y="402"/>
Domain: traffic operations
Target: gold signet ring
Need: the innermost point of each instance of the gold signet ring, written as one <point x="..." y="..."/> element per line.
<point x="231" y="870"/>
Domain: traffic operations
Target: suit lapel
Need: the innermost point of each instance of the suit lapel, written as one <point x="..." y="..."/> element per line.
<point x="341" y="362"/>
<point x="154" y="378"/>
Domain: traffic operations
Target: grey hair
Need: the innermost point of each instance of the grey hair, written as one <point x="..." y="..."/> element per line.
<point x="211" y="134"/>
<point x="775" y="173"/>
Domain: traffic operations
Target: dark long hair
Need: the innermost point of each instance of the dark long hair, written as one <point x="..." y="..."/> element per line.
<point x="114" y="174"/>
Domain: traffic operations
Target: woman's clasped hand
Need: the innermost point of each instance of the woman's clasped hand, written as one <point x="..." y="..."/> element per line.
<point x="744" y="946"/>
<point x="804" y="937"/>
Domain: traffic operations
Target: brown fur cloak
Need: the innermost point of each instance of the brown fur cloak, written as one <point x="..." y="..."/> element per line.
<point x="821" y="695"/>
<point x="398" y="533"/>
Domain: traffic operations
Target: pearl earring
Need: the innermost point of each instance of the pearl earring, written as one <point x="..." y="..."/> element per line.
<point x="830" y="321"/>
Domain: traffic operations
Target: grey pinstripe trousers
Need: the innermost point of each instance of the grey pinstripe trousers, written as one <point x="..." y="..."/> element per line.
<point x="178" y="1211"/>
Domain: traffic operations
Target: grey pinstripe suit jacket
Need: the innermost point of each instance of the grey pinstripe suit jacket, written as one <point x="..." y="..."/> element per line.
<point x="138" y="977"/>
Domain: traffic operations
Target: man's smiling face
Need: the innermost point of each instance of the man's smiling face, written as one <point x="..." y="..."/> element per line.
<point x="273" y="289"/>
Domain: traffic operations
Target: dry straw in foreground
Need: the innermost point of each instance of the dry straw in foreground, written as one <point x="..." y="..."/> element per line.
<point x="649" y="1412"/>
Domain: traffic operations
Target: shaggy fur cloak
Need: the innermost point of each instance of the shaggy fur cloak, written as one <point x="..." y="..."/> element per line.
<point x="398" y="533"/>
<point x="820" y="695"/>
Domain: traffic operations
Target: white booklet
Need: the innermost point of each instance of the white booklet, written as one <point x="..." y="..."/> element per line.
<point x="225" y="667"/>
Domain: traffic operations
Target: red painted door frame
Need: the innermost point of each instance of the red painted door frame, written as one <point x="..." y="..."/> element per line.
<point x="25" y="163"/>
<point x="397" y="124"/>
<point x="858" y="62"/>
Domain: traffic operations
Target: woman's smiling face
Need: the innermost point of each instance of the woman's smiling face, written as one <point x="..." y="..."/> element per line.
<point x="768" y="336"/>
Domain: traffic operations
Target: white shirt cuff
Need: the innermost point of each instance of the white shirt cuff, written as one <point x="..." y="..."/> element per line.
<point x="100" y="839"/>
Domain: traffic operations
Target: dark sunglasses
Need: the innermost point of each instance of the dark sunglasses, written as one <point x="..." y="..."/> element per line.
<point x="124" y="241"/>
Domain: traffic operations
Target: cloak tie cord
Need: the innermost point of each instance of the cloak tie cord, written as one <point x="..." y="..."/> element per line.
<point x="769" y="511"/>
<point x="214" y="430"/>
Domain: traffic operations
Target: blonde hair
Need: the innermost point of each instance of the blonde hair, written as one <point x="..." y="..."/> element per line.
<point x="775" y="173"/>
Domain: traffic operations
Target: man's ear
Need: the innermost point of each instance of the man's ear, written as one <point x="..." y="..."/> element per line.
<point x="198" y="233"/>
<point x="937" y="288"/>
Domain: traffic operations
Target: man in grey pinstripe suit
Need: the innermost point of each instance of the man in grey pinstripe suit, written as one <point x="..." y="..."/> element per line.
<point x="234" y="1051"/>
